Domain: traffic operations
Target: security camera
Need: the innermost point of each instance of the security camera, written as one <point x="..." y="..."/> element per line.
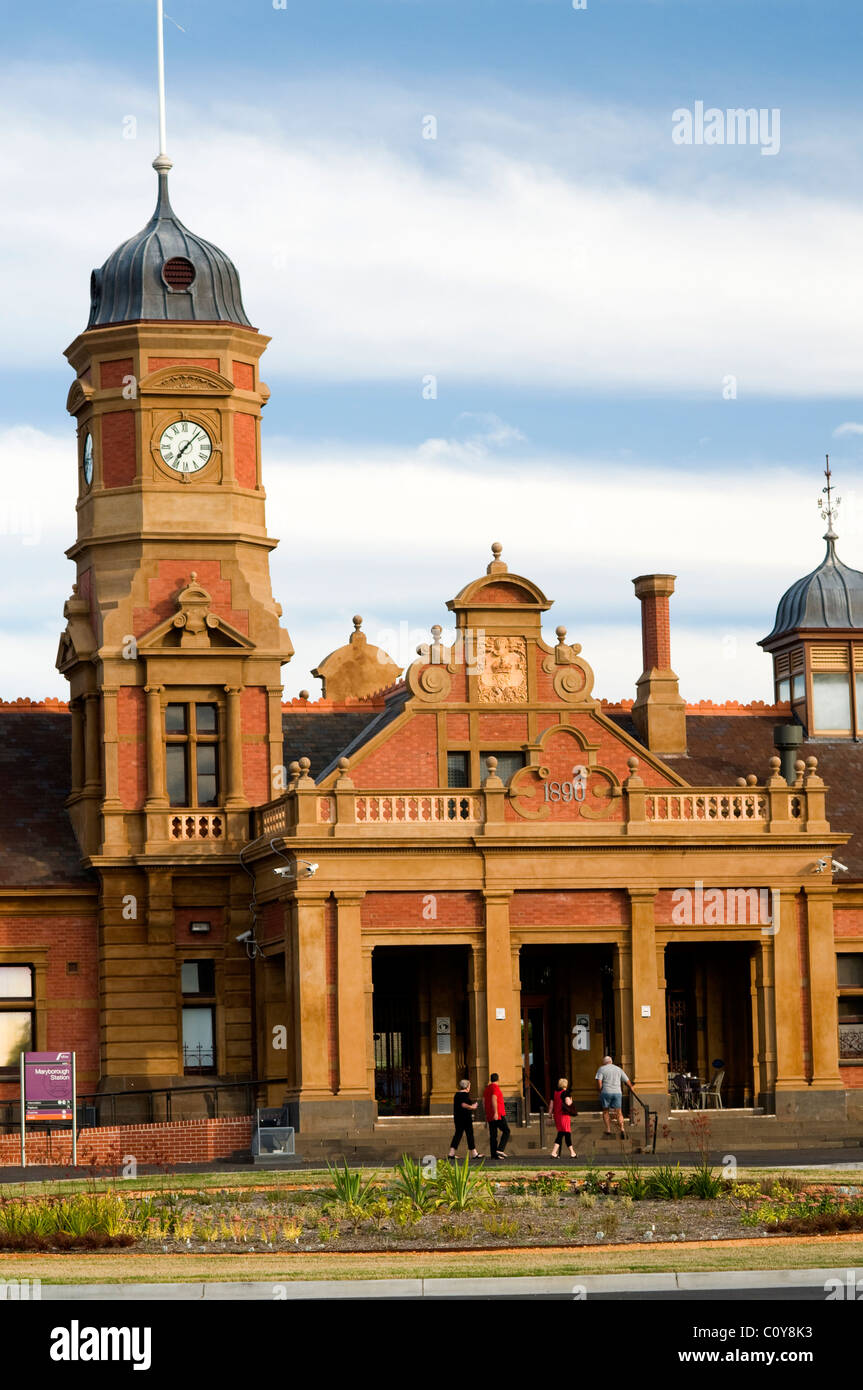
<point x="289" y="872"/>
<point x="843" y="868"/>
<point x="819" y="866"/>
<point x="244" y="936"/>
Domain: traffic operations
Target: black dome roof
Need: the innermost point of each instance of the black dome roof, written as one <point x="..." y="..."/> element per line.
<point x="830" y="597"/>
<point x="166" y="272"/>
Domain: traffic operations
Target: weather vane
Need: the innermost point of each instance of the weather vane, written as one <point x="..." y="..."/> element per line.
<point x="829" y="507"/>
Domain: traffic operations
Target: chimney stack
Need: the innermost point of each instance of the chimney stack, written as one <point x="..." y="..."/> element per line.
<point x="659" y="712"/>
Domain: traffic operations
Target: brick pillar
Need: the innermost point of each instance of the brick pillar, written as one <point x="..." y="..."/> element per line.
<point x="659" y="711"/>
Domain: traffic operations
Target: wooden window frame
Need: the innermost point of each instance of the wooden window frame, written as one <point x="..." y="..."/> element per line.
<point x="190" y="741"/>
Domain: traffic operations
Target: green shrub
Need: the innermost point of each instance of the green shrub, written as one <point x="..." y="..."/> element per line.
<point x="349" y="1186"/>
<point x="633" y="1185"/>
<point x="414" y="1187"/>
<point x="705" y="1183"/>
<point x="463" y="1186"/>
<point x="667" y="1183"/>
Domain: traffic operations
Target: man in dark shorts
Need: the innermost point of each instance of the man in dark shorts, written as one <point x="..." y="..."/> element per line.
<point x="462" y="1113"/>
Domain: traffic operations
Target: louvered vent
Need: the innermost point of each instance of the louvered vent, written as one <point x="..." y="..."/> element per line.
<point x="178" y="273"/>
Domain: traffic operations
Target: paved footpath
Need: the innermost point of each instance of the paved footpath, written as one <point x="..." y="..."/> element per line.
<point x="746" y="1285"/>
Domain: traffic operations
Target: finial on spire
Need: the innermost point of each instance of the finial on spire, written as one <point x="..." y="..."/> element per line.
<point x="161" y="163"/>
<point x="829" y="507"/>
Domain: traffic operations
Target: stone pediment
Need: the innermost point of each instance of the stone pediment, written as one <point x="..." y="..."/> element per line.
<point x="79" y="394"/>
<point x="193" y="626"/>
<point x="201" y="381"/>
<point x="77" y="642"/>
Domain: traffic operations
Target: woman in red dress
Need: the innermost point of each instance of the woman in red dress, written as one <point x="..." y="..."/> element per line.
<point x="561" y="1112"/>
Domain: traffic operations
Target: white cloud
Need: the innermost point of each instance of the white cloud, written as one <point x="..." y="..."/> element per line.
<point x="368" y="253"/>
<point x="403" y="533"/>
<point x="850" y="427"/>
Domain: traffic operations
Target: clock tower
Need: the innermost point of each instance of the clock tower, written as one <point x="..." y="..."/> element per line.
<point x="173" y="645"/>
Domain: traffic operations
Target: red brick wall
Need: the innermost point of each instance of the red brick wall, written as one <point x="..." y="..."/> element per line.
<point x="458" y="727"/>
<point x="848" y="921"/>
<point x="502" y="728"/>
<point x="184" y="916"/>
<point x="118" y="448"/>
<point x="72" y="1017"/>
<point x="183" y="1141"/>
<point x="132" y="728"/>
<point x="245" y="451"/>
<point x="406" y="760"/>
<point x="154" y="363"/>
<point x="503" y="592"/>
<point x="112" y="373"/>
<point x="174" y="575"/>
<point x="605" y="908"/>
<point x="244" y="375"/>
<point x="254" y="713"/>
<point x="852" y="1078"/>
<point x="272" y="921"/>
<point x="386" y="911"/>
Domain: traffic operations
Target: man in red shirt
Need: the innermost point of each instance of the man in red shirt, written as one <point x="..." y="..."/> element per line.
<point x="495" y="1114"/>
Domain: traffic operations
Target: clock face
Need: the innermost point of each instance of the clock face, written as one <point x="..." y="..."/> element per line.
<point x="88" y="460"/>
<point x="185" y="446"/>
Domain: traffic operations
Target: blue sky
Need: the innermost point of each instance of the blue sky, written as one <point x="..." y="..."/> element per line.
<point x="580" y="287"/>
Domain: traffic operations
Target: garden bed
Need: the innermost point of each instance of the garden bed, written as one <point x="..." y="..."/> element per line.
<point x="458" y="1208"/>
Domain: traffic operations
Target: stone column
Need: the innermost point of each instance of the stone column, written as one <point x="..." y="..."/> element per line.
<point x="157" y="795"/>
<point x="369" y="998"/>
<point x="648" y="1028"/>
<point x="822" y="997"/>
<point x="623" y="1006"/>
<point x="77" y="714"/>
<point x="351" y="996"/>
<point x="234" y="797"/>
<point x="307" y="988"/>
<point x="92" y="740"/>
<point x="503" y="1034"/>
<point x="110" y="738"/>
<point x="791" y="1082"/>
<point x="477" y="1065"/>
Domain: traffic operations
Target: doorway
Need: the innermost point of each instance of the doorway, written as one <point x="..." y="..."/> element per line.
<point x="420" y="1027"/>
<point x="534" y="1047"/>
<point x="708" y="1010"/>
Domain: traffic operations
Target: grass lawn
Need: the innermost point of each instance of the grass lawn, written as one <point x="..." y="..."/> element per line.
<point x="123" y="1268"/>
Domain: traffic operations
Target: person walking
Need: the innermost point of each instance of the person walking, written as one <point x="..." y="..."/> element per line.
<point x="495" y="1114"/>
<point x="462" y="1113"/>
<point x="610" y="1081"/>
<point x="562" y="1112"/>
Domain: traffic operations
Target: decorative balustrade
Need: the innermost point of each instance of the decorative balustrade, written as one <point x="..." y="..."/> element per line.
<point x="766" y="809"/>
<point x="700" y="805"/>
<point x="418" y="809"/>
<point x="196" y="825"/>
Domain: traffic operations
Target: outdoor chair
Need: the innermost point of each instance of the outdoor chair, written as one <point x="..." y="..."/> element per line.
<point x="713" y="1091"/>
